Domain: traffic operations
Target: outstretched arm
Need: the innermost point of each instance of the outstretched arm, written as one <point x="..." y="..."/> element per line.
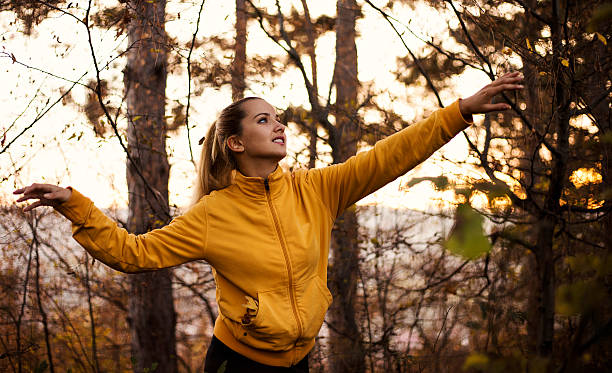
<point x="341" y="185"/>
<point x="181" y="241"/>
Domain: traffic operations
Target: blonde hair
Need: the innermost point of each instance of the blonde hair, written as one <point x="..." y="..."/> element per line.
<point x="216" y="160"/>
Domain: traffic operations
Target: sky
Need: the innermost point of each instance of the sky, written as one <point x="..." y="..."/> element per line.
<point x="61" y="147"/>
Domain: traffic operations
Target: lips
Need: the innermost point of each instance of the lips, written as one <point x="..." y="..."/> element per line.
<point x="279" y="140"/>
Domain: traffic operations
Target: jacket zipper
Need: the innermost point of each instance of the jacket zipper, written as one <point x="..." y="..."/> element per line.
<point x="286" y="255"/>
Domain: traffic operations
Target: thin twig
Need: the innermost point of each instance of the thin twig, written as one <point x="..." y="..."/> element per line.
<point x="414" y="58"/>
<point x="441" y="328"/>
<point x="43" y="314"/>
<point x="320" y="113"/>
<point x="38" y="117"/>
<point x="471" y="41"/>
<point x="189" y="80"/>
<point x="156" y="195"/>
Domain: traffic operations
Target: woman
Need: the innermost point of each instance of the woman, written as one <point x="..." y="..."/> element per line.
<point x="265" y="232"/>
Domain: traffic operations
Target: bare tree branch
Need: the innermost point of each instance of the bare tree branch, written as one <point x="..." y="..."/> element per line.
<point x="193" y="39"/>
<point x="38" y="117"/>
<point x="320" y="113"/>
<point x="414" y="58"/>
<point x="161" y="205"/>
<point x="536" y="15"/>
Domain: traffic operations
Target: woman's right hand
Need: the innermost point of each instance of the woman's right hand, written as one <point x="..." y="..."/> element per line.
<point x="480" y="102"/>
<point x="46" y="194"/>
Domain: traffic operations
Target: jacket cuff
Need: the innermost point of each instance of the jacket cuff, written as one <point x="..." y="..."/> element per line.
<point x="455" y="122"/>
<point x="76" y="209"/>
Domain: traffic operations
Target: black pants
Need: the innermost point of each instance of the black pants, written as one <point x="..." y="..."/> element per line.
<point x="221" y="358"/>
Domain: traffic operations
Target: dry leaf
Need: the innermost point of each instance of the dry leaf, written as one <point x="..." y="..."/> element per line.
<point x="601" y="38"/>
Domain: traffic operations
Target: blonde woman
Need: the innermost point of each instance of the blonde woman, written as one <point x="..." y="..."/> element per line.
<point x="265" y="232"/>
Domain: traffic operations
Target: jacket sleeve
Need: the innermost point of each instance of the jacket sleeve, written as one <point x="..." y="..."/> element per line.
<point x="343" y="184"/>
<point x="183" y="240"/>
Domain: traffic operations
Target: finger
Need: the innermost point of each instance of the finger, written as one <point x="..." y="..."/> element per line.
<point x="508" y="78"/>
<point x="33" y="206"/>
<point x="18" y="191"/>
<point x="31" y="195"/>
<point x="512" y="79"/>
<point x="504" y="87"/>
<point x="37" y="188"/>
<point x="510" y="75"/>
<point x="28" y="196"/>
<point x="495" y="107"/>
<point x="500" y="81"/>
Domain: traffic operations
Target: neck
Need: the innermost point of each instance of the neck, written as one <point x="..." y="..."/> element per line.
<point x="257" y="169"/>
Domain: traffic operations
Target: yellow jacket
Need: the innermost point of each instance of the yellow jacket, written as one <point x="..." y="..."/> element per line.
<point x="267" y="240"/>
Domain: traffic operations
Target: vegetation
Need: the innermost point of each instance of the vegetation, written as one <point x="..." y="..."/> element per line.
<point x="510" y="273"/>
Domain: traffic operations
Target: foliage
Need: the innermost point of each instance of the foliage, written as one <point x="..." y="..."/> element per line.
<point x="435" y="291"/>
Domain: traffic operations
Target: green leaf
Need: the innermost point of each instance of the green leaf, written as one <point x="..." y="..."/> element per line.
<point x="606" y="138"/>
<point x="601" y="38"/>
<point x="491" y="190"/>
<point x="440" y="182"/>
<point x="601" y="17"/>
<point x="579" y="297"/>
<point x="467" y="237"/>
<point x="476" y="360"/>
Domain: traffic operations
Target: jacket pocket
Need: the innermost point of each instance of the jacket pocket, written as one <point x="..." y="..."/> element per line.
<point x="273" y="328"/>
<point x="313" y="303"/>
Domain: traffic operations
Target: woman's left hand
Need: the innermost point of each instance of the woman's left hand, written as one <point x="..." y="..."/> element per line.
<point x="480" y="102"/>
<point x="46" y="194"/>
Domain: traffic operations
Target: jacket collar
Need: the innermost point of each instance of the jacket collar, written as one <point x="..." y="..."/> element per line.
<point x="256" y="186"/>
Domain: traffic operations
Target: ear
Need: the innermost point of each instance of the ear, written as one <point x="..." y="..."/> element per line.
<point x="234" y="143"/>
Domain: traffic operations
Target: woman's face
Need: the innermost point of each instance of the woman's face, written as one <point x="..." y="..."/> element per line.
<point x="263" y="135"/>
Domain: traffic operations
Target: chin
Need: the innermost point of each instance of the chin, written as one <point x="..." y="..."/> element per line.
<point x="280" y="156"/>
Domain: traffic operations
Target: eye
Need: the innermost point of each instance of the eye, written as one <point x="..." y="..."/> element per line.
<point x="262" y="120"/>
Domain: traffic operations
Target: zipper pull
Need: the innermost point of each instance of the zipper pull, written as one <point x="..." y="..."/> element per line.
<point x="266" y="184"/>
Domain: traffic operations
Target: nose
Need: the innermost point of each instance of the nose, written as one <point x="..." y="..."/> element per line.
<point x="280" y="126"/>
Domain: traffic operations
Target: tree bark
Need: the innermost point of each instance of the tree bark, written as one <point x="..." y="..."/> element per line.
<point x="542" y="326"/>
<point x="310" y="47"/>
<point x="151" y="310"/>
<point x="533" y="113"/>
<point x="238" y="67"/>
<point x="347" y="352"/>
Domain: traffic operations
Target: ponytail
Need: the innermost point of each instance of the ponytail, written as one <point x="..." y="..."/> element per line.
<point x="216" y="160"/>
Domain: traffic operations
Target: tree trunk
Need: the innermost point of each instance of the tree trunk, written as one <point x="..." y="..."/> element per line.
<point x="548" y="220"/>
<point x="238" y="67"/>
<point x="347" y="353"/>
<point x="310" y="47"/>
<point x="533" y="113"/>
<point x="151" y="310"/>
